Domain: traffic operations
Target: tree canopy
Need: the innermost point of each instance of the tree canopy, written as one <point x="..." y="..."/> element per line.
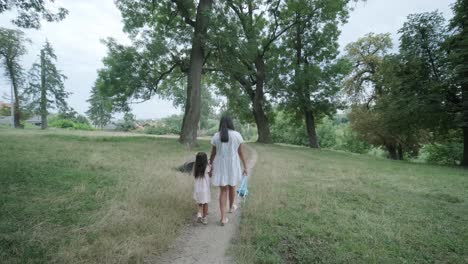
<point x="30" y="13"/>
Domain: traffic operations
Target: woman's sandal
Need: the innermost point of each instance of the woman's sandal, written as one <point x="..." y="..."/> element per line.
<point x="225" y="222"/>
<point x="233" y="209"/>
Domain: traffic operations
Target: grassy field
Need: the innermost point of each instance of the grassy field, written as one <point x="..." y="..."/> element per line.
<point x="96" y="197"/>
<point x="310" y="206"/>
<point x="79" y="197"/>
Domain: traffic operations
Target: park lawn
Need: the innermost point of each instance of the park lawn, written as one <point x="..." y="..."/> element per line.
<point x="319" y="206"/>
<point x="79" y="197"/>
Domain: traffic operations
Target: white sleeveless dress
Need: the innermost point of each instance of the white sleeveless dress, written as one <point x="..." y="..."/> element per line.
<point x="227" y="168"/>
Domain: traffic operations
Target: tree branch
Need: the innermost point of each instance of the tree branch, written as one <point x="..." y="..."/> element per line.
<point x="184" y="12"/>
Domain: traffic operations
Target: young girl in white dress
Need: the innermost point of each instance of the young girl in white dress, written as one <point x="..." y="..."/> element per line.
<point x="201" y="192"/>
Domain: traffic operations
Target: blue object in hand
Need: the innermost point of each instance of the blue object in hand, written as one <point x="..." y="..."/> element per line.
<point x="242" y="191"/>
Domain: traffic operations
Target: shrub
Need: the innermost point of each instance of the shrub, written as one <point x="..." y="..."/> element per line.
<point x="61" y="123"/>
<point x="68" y="124"/>
<point x="351" y="142"/>
<point x="165" y="126"/>
<point x="286" y="129"/>
<point x="127" y="124"/>
<point x="326" y="133"/>
<point x="449" y="153"/>
<point x="157" y="130"/>
<point x="81" y="119"/>
<point x="80" y="126"/>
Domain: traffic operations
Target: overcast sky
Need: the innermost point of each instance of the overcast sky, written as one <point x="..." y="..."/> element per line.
<point x="77" y="41"/>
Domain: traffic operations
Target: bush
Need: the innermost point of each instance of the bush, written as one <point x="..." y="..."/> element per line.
<point x="61" y="123"/>
<point x="127" y="124"/>
<point x="80" y="126"/>
<point x="166" y="126"/>
<point x="286" y="129"/>
<point x="68" y="124"/>
<point x="326" y="133"/>
<point x="449" y="153"/>
<point x="157" y="130"/>
<point x="351" y="142"/>
<point x="80" y="119"/>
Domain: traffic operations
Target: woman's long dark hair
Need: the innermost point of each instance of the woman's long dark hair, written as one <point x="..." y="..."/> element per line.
<point x="224" y="125"/>
<point x="201" y="161"/>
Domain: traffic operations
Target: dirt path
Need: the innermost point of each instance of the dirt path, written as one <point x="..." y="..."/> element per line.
<point x="206" y="244"/>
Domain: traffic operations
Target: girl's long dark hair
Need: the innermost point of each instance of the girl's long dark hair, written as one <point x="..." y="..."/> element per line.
<point x="201" y="161"/>
<point x="224" y="125"/>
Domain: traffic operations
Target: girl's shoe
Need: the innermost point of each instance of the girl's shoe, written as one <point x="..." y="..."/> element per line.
<point x="224" y="222"/>
<point x="233" y="208"/>
<point x="199" y="218"/>
<point x="204" y="221"/>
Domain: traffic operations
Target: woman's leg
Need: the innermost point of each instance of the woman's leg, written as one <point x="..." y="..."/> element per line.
<point x="232" y="196"/>
<point x="222" y="201"/>
<point x="205" y="210"/>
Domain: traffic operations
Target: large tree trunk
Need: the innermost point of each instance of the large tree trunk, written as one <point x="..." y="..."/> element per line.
<point x="191" y="119"/>
<point x="310" y="126"/>
<point x="302" y="88"/>
<point x="392" y="151"/>
<point x="261" y="119"/>
<point x="400" y="152"/>
<point x="43" y="103"/>
<point x="464" y="162"/>
<point x="465" y="121"/>
<point x="14" y="83"/>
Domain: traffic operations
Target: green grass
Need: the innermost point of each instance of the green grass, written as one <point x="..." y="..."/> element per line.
<point x="310" y="206"/>
<point x="98" y="197"/>
<point x="82" y="198"/>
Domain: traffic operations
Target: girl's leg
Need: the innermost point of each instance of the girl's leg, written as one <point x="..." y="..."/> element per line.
<point x="232" y="196"/>
<point x="205" y="210"/>
<point x="200" y="211"/>
<point x="222" y="201"/>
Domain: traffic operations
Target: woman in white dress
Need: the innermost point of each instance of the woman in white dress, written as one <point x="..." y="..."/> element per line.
<point x="226" y="157"/>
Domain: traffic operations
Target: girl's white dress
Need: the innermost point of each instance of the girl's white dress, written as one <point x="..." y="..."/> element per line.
<point x="201" y="192"/>
<point x="227" y="168"/>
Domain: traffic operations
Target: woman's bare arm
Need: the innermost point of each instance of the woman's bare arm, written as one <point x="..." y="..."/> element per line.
<point x="240" y="150"/>
<point x="212" y="156"/>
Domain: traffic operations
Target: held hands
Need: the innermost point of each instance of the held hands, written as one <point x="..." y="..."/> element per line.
<point x="245" y="173"/>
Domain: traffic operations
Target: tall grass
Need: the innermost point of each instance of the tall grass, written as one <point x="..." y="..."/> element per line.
<point x="72" y="198"/>
<point x="311" y="206"/>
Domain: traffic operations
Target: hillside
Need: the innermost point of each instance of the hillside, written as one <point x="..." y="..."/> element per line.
<point x="97" y="197"/>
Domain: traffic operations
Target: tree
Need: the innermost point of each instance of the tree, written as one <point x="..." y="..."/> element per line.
<point x="428" y="97"/>
<point x="46" y="86"/>
<point x="366" y="56"/>
<point x="244" y="39"/>
<point x="314" y="77"/>
<point x="169" y="42"/>
<point x="406" y="95"/>
<point x="189" y="132"/>
<point x="31" y="12"/>
<point x="458" y="44"/>
<point x="11" y="49"/>
<point x="100" y="107"/>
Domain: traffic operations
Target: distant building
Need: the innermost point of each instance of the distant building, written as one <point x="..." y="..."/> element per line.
<point x="5" y="120"/>
<point x="35" y="120"/>
<point x="3" y="104"/>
